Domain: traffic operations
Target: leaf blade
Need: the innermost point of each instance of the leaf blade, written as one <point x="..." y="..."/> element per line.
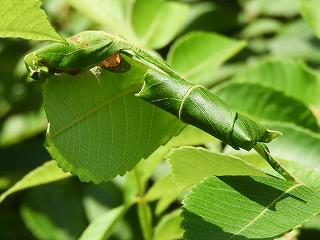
<point x="26" y="20"/>
<point x="244" y="214"/>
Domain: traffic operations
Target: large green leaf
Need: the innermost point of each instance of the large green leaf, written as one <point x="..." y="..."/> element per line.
<point x="264" y="103"/>
<point x="290" y="77"/>
<point x="151" y="21"/>
<point x="101" y="228"/>
<point x="48" y="172"/>
<point x="191" y="165"/>
<point x="98" y="128"/>
<point x="310" y="11"/>
<point x="235" y="207"/>
<point x="25" y="19"/>
<point x="197" y="55"/>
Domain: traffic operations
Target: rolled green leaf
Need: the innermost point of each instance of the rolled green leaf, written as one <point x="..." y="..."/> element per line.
<point x="85" y="51"/>
<point x="197" y="106"/>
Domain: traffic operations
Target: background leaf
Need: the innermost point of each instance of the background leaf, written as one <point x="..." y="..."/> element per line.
<point x="48" y="172"/>
<point x="266" y="104"/>
<point x="309" y="11"/>
<point x="25" y="19"/>
<point x="101" y="228"/>
<point x="110" y="14"/>
<point x="290" y="77"/>
<point x="197" y="55"/>
<point x="169" y="227"/>
<point x="246" y="208"/>
<point x="150" y="20"/>
<point x="55" y="211"/>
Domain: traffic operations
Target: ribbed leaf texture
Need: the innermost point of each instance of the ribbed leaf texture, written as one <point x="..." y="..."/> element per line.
<point x="238" y="208"/>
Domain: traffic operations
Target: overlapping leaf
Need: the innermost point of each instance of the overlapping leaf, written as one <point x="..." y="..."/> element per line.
<point x="235" y="207"/>
<point x="25" y="19"/>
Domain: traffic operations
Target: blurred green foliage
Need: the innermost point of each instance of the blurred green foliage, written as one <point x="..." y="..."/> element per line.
<point x="271" y="29"/>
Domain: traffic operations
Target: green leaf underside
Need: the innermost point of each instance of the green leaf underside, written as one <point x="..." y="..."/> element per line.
<point x="197" y="55"/>
<point x="266" y="104"/>
<point x="25" y="19"/>
<point x="244" y="207"/>
<point x="288" y="76"/>
<point x="101" y="227"/>
<point x="150" y="20"/>
<point x="103" y="129"/>
<point x="191" y="165"/>
<point x="310" y="12"/>
<point x="47" y="173"/>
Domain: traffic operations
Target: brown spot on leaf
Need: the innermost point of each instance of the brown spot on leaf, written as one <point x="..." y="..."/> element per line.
<point x="112" y="61"/>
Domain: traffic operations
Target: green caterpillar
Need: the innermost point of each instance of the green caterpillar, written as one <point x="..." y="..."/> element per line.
<point x="162" y="87"/>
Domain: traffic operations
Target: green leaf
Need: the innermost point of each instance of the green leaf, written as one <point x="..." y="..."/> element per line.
<point x="297" y="145"/>
<point x="191" y="165"/>
<point x="54" y="212"/>
<point x="48" y="172"/>
<point x="290" y="77"/>
<point x="150" y="20"/>
<point x="156" y="191"/>
<point x="25" y="19"/>
<point x="145" y="219"/>
<point x="260" y="27"/>
<point x="295" y="40"/>
<point x="197" y="55"/>
<point x="101" y="228"/>
<point x="279" y="8"/>
<point x="21" y="126"/>
<point x="310" y="12"/>
<point x="246" y="207"/>
<point x="98" y="128"/>
<point x="168" y="227"/>
<point x="266" y="104"/>
<point x="191" y="135"/>
<point x="111" y="14"/>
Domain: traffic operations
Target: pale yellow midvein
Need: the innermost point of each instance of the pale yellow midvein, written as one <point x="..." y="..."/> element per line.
<point x="185" y="96"/>
<point x="265" y="210"/>
<point x="95" y="109"/>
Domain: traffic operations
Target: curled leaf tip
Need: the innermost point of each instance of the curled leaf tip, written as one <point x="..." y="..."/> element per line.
<point x="270" y="135"/>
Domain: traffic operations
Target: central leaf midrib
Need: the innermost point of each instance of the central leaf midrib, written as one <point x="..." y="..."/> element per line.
<point x="95" y="109"/>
